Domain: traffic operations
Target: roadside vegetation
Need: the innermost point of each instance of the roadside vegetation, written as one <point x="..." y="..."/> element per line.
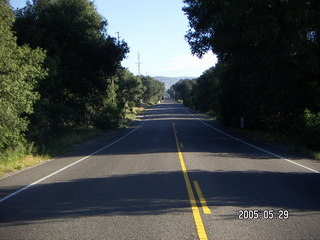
<point x="61" y="80"/>
<point x="268" y="69"/>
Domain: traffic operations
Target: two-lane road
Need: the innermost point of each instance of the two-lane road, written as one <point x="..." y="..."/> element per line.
<point x="173" y="175"/>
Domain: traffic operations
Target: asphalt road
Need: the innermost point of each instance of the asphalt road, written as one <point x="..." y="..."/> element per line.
<point x="144" y="182"/>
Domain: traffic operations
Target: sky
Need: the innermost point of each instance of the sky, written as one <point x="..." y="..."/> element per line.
<point x="155" y="29"/>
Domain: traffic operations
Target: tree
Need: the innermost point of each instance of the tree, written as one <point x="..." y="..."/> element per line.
<point x="130" y="88"/>
<point x="82" y="59"/>
<point x="20" y="70"/>
<point x="184" y="90"/>
<point x="206" y="93"/>
<point x="270" y="53"/>
<point x="155" y="90"/>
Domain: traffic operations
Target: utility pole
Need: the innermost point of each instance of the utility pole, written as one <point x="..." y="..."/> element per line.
<point x="139" y="63"/>
<point x="118" y="38"/>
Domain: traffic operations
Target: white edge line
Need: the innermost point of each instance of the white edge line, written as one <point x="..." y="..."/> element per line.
<point x="251" y="145"/>
<point x="68" y="166"/>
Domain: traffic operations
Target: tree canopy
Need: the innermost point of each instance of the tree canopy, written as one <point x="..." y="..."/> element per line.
<point x="20" y="70"/>
<point x="61" y="71"/>
<point x="154" y="90"/>
<point x="269" y="61"/>
<point x="82" y="58"/>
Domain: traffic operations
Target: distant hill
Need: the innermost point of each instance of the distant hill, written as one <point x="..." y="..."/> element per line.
<point x="169" y="81"/>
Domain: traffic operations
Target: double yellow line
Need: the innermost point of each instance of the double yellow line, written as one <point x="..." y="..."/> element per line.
<point x="195" y="210"/>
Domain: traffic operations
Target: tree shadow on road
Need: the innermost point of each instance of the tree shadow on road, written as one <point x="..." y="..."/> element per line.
<point x="151" y="193"/>
<point x="161" y="193"/>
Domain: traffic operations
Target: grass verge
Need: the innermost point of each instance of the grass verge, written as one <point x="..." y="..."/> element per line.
<point x="12" y="161"/>
<point x="272" y="137"/>
<point x="20" y="158"/>
<point x="288" y="142"/>
<point x="130" y="116"/>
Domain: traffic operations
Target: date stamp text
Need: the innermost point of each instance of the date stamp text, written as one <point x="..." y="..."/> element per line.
<point x="281" y="214"/>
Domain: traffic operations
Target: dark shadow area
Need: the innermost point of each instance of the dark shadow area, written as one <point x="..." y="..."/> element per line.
<point x="157" y="136"/>
<point x="174" y="116"/>
<point x="169" y="111"/>
<point x="161" y="193"/>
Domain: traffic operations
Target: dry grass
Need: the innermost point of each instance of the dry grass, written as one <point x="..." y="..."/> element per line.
<point x="19" y="163"/>
<point x="18" y="159"/>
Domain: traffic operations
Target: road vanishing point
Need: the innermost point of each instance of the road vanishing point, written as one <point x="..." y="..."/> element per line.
<point x="172" y="175"/>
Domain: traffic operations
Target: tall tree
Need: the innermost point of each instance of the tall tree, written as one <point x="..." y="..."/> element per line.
<point x="155" y="90"/>
<point x="20" y="70"/>
<point x="82" y="58"/>
<point x="269" y="50"/>
<point x="130" y="88"/>
<point x="184" y="90"/>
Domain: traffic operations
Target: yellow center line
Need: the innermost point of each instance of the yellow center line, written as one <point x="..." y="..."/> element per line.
<point x="195" y="210"/>
<point x="205" y="208"/>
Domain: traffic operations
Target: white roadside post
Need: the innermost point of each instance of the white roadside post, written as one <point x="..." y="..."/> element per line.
<point x="242" y="122"/>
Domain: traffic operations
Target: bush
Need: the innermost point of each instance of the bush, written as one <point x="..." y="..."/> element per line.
<point x="109" y="117"/>
<point x="20" y="67"/>
<point x="311" y="130"/>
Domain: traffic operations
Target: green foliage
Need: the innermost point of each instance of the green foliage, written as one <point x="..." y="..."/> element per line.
<point x="20" y="70"/>
<point x="83" y="87"/>
<point x="310" y="132"/>
<point x="130" y="88"/>
<point x="183" y="90"/>
<point x="82" y="60"/>
<point x="86" y="85"/>
<point x="109" y="117"/>
<point x="269" y="61"/>
<point x="154" y="92"/>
